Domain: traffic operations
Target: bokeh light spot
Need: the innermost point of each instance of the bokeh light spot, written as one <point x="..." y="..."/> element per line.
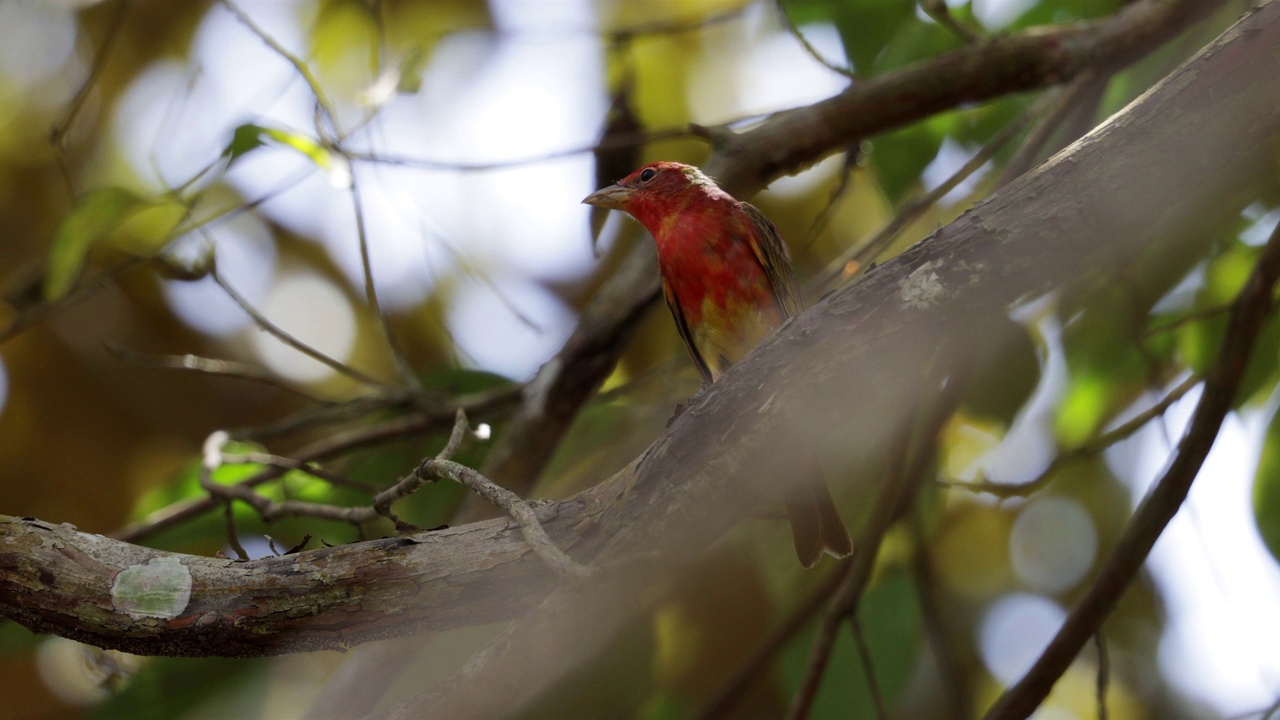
<point x="246" y="258"/>
<point x="313" y="310"/>
<point x="48" y="36"/>
<point x="508" y="328"/>
<point x="1015" y="631"/>
<point x="1053" y="544"/>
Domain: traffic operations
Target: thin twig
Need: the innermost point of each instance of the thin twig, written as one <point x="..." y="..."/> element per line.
<point x="808" y="47"/>
<point x="745" y="676"/>
<point x="363" y="406"/>
<point x="235" y="210"/>
<point x="1104" y="673"/>
<point x="868" y="666"/>
<point x="269" y="509"/>
<point x="279" y="333"/>
<point x="466" y="265"/>
<point x="322" y="100"/>
<point x="843" y="183"/>
<point x="233" y="538"/>
<point x="87" y="288"/>
<point x="1024" y="157"/>
<point x="638" y="138"/>
<point x="287" y="463"/>
<point x="58" y="136"/>
<point x="1121" y="432"/>
<point x="857" y="573"/>
<point x="212" y="366"/>
<point x="953" y="681"/>
<point x="431" y="469"/>
<point x="854" y="262"/>
<point x="333" y="445"/>
<point x="1249" y="312"/>
<point x="911" y="457"/>
<point x="407" y="377"/>
<point x="355" y="409"/>
<point x="611" y="142"/>
<point x="410" y="483"/>
<point x="1190" y="317"/>
<point x="941" y="14"/>
<point x="515" y="506"/>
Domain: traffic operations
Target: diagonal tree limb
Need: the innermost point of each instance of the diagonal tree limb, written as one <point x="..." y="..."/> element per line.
<point x="1123" y="195"/>
<point x="1248" y="314"/>
<point x="794" y="139"/>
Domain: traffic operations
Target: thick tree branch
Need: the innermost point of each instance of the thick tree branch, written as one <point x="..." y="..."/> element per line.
<point x="1150" y="188"/>
<point x="797" y="138"/>
<point x="998" y="66"/>
<point x="1147" y="187"/>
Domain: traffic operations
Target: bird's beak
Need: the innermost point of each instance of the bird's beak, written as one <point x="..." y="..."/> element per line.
<point x="614" y="197"/>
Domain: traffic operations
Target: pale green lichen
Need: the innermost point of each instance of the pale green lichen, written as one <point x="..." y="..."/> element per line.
<point x="923" y="288"/>
<point x="159" y="589"/>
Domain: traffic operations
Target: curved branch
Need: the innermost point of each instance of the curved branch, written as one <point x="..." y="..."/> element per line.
<point x="1148" y="187"/>
<point x="1030" y="60"/>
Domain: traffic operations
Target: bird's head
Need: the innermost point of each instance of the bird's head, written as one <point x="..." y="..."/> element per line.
<point x="654" y="191"/>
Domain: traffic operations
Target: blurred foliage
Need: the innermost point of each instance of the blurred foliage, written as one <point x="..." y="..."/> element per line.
<point x="1266" y="488"/>
<point x="87" y="224"/>
<point x="175" y="687"/>
<point x="890" y="620"/>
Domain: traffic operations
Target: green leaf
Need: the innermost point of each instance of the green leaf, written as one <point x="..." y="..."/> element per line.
<point x="914" y="40"/>
<point x="900" y="156"/>
<point x="1106" y="368"/>
<point x="96" y="215"/>
<point x="1199" y="342"/>
<point x="1064" y="11"/>
<point x="303" y="144"/>
<point x="250" y="137"/>
<point x="147" y="230"/>
<point x="865" y="27"/>
<point x="410" y="71"/>
<point x="458" y="381"/>
<point x="244" y="140"/>
<point x="1266" y="489"/>
<point x="16" y="640"/>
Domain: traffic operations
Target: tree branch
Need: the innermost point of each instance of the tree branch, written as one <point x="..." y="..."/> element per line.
<point x="1248" y="313"/>
<point x="1147" y="187"/>
<point x="794" y="139"/>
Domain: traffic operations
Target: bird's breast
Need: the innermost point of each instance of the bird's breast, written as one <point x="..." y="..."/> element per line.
<point x="724" y="295"/>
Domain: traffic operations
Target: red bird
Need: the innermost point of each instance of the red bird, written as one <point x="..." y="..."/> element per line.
<point x="728" y="281"/>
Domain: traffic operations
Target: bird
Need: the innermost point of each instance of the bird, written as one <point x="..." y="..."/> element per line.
<point x="728" y="281"/>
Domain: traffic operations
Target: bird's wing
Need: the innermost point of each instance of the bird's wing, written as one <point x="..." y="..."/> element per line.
<point x="771" y="251"/>
<point x="683" y="326"/>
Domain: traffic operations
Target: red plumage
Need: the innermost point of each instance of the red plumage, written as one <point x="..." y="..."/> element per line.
<point x="727" y="279"/>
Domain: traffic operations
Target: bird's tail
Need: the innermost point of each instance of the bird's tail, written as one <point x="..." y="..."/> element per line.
<point x="816" y="526"/>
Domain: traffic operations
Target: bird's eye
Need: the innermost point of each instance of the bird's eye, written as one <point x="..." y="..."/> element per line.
<point x="647" y="174"/>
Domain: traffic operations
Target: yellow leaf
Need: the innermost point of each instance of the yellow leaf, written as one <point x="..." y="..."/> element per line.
<point x="94" y="217"/>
